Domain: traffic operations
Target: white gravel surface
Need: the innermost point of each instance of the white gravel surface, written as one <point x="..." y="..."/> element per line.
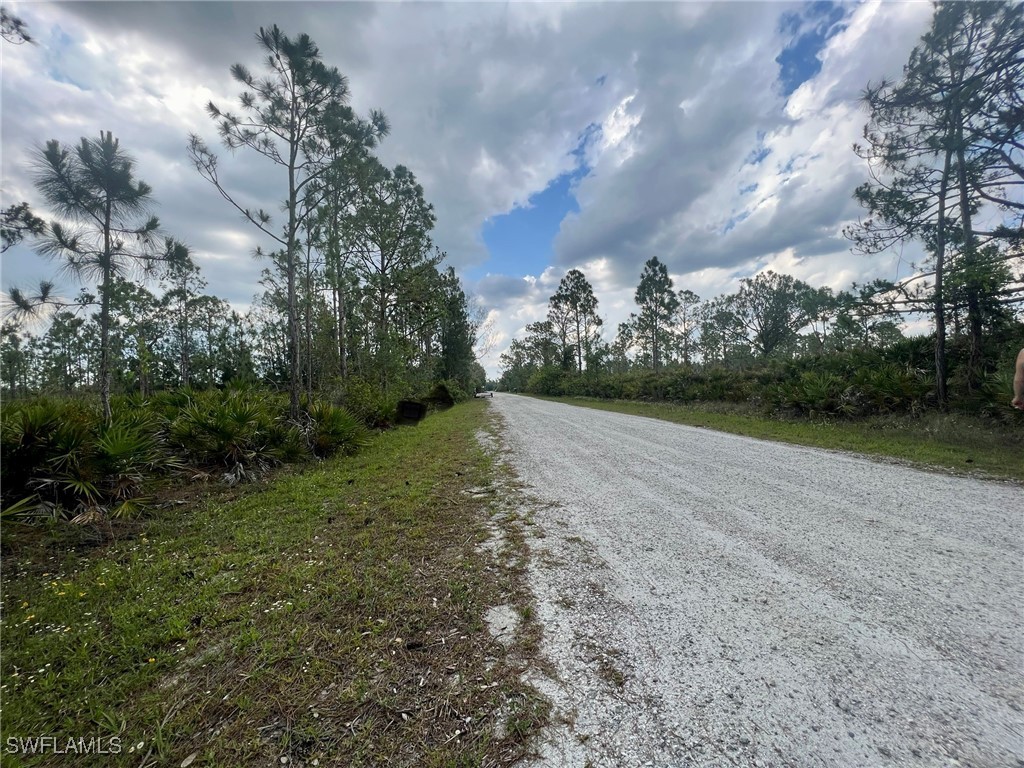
<point x="710" y="599"/>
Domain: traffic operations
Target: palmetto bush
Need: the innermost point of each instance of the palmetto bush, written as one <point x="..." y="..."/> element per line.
<point x="332" y="429"/>
<point x="164" y="405"/>
<point x="818" y="393"/>
<point x="238" y="429"/>
<point x="59" y="459"/>
<point x="891" y="388"/>
<point x="27" y="434"/>
<point x="993" y="397"/>
<point x="62" y="460"/>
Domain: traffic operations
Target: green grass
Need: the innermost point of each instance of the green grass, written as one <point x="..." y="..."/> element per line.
<point x="950" y="442"/>
<point x="333" y="614"/>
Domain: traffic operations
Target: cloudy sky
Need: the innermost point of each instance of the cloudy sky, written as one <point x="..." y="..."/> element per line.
<point x="548" y="136"/>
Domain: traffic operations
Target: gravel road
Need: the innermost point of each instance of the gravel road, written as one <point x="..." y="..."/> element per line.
<point x="710" y="599"/>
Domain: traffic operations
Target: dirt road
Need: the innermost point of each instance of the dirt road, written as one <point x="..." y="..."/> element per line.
<point x="710" y="599"/>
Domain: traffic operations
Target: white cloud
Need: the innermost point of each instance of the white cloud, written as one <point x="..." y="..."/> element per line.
<point x="487" y="101"/>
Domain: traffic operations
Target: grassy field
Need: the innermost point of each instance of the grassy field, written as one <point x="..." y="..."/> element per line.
<point x="326" y="617"/>
<point x="947" y="442"/>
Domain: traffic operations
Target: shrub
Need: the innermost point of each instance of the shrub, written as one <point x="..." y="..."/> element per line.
<point x="546" y="381"/>
<point x="334" y="430"/>
<point x="71" y="464"/>
<point x="890" y="388"/>
<point x="27" y="433"/>
<point x="441" y="395"/>
<point x="375" y="407"/>
<point x="994" y="396"/>
<point x="232" y="429"/>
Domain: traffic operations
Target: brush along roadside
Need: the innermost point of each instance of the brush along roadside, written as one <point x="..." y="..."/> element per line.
<point x="331" y="617"/>
<point x="961" y="444"/>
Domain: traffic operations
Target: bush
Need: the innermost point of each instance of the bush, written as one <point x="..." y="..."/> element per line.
<point x="822" y="394"/>
<point x="334" y="430"/>
<point x="376" y="408"/>
<point x="27" y="435"/>
<point x="441" y="395"/>
<point x="546" y="381"/>
<point x="236" y="429"/>
<point x="61" y="460"/>
<point x="891" y="388"/>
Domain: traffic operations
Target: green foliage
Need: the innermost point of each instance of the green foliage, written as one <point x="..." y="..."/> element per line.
<point x="61" y="459"/>
<point x="332" y="430"/>
<point x="236" y="429"/>
<point x="105" y="229"/>
<point x="374" y="406"/>
<point x="658" y="303"/>
<point x="573" y="308"/>
<point x="854" y="384"/>
<point x="818" y="394"/>
<point x="224" y="593"/>
<point x="446" y="393"/>
<point x="890" y="388"/>
<point x="18" y="222"/>
<point x="28" y="432"/>
<point x="546" y="381"/>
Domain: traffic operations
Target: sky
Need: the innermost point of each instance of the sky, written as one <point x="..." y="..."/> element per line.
<point x="548" y="136"/>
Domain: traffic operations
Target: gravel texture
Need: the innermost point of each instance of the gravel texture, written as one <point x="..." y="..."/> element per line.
<point x="710" y="599"/>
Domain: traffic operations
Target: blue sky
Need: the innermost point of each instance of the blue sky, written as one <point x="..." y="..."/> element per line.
<point x="811" y="28"/>
<point x="522" y="240"/>
<point x="548" y="136"/>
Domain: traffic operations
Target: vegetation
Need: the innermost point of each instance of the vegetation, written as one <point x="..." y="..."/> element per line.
<point x="951" y="442"/>
<point x="297" y="118"/>
<point x="356" y="291"/>
<point x="846" y="364"/>
<point x="334" y="615"/>
<point x="63" y="459"/>
<point x="944" y="153"/>
<point x="337" y="614"/>
<point x="942" y="143"/>
<point x="357" y="312"/>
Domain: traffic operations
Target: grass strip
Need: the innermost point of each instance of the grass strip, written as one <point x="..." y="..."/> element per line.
<point x="329" y="617"/>
<point x="948" y="442"/>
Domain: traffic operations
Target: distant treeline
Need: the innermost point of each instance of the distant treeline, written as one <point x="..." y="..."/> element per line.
<point x="944" y="148"/>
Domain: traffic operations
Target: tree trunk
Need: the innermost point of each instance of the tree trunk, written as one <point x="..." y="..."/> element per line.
<point x="309" y="325"/>
<point x="185" y="337"/>
<point x="105" y="289"/>
<point x="654" y="346"/>
<point x="974" y="362"/>
<point x="940" y="306"/>
<point x="342" y="332"/>
<point x="579" y="344"/>
<point x="290" y="269"/>
<point x="140" y="343"/>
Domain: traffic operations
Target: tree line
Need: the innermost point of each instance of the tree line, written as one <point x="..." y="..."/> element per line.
<point x="770" y="316"/>
<point x="354" y="290"/>
<point x="944" y="146"/>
